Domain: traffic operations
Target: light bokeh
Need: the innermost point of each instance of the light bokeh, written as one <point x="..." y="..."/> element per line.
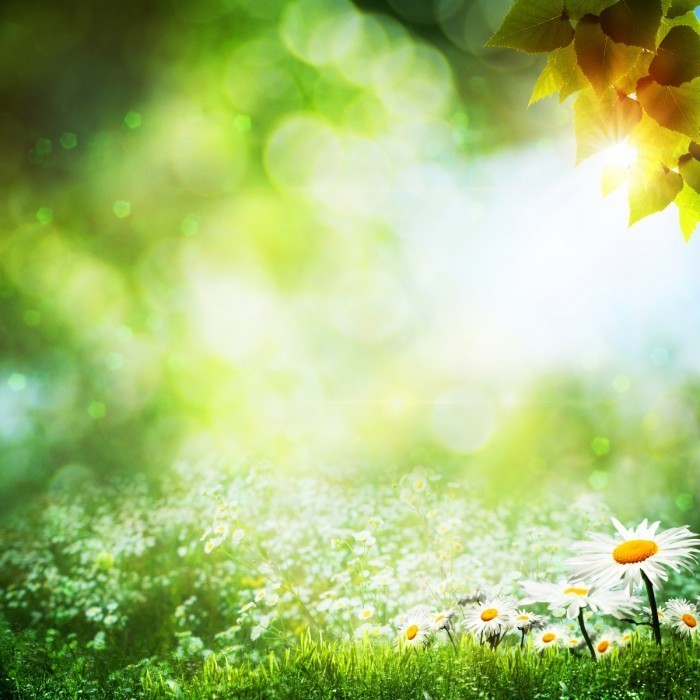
<point x="326" y="240"/>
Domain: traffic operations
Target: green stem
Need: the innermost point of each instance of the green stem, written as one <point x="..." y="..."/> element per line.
<point x="452" y="640"/>
<point x="584" y="632"/>
<point x="652" y="605"/>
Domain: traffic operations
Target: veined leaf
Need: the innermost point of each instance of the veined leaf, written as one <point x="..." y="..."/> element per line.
<point x="681" y="7"/>
<point x="547" y="84"/>
<point x="570" y="74"/>
<point x="627" y="83"/>
<point x="657" y="145"/>
<point x="688" y="203"/>
<point x="579" y="8"/>
<point x="602" y="122"/>
<point x="633" y="22"/>
<point x="689" y="168"/>
<point x="667" y="24"/>
<point x="677" y="59"/>
<point x="614" y="176"/>
<point x="534" y="27"/>
<point x="649" y="193"/>
<point x="676" y="108"/>
<point x="600" y="58"/>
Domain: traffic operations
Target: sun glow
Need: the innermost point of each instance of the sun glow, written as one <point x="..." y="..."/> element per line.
<point x="622" y="155"/>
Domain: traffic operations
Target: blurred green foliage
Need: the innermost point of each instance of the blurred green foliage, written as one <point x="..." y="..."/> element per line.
<point x="204" y="221"/>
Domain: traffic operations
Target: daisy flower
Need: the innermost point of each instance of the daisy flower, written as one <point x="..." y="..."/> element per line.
<point x="442" y="619"/>
<point x="416" y="628"/>
<point x="635" y="555"/>
<point x="605" y="642"/>
<point x="625" y="638"/>
<point x="524" y="621"/>
<point x="548" y="638"/>
<point x="572" y="596"/>
<point x="573" y="641"/>
<point x="682" y="617"/>
<point x="366" y="612"/>
<point x="478" y="596"/>
<point x="492" y="617"/>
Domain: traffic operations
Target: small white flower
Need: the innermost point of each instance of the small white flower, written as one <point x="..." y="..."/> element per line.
<point x="366" y="613"/>
<point x="524" y="621"/>
<point x="416" y="629"/>
<point x="548" y="638"/>
<point x="492" y="617"/>
<point x="605" y="642"/>
<point x="419" y="483"/>
<point x="93" y="613"/>
<point x="442" y="620"/>
<point x="682" y="617"/>
<point x="365" y="537"/>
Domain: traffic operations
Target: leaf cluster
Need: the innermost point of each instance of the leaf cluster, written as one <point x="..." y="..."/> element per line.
<point x="635" y="66"/>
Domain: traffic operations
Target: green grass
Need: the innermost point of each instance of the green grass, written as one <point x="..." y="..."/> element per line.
<point x="316" y="669"/>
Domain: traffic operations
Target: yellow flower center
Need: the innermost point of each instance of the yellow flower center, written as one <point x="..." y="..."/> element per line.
<point x="603" y="646"/>
<point x="523" y="617"/>
<point x="439" y="618"/>
<point x="488" y="614"/>
<point x="576" y="591"/>
<point x="411" y="632"/>
<point x="548" y="637"/>
<point x="634" y="551"/>
<point x="689" y="620"/>
<point x="366" y="613"/>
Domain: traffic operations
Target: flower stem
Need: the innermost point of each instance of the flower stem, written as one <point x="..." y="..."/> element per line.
<point x="584" y="632"/>
<point x="654" y="612"/>
<point x="454" y="646"/>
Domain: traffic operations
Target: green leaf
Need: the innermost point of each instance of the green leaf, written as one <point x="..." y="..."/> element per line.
<point x="688" y="203"/>
<point x="689" y="168"/>
<point x="677" y="59"/>
<point x="578" y="8"/>
<point x="602" y="122"/>
<point x="676" y="108"/>
<point x="571" y="77"/>
<point x="633" y="22"/>
<point x="547" y="84"/>
<point x="627" y="83"/>
<point x="657" y="145"/>
<point x="534" y="27"/>
<point x="614" y="176"/>
<point x="600" y="58"/>
<point x="681" y="7"/>
<point x="651" y="193"/>
<point x="667" y="23"/>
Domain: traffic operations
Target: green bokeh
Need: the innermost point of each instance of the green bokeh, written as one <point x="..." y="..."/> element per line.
<point x="204" y="252"/>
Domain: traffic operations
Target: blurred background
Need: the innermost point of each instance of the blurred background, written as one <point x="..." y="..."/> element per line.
<point x="331" y="236"/>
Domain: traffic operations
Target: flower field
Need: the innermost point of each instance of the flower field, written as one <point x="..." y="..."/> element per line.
<point x="348" y="349"/>
<point x="242" y="585"/>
